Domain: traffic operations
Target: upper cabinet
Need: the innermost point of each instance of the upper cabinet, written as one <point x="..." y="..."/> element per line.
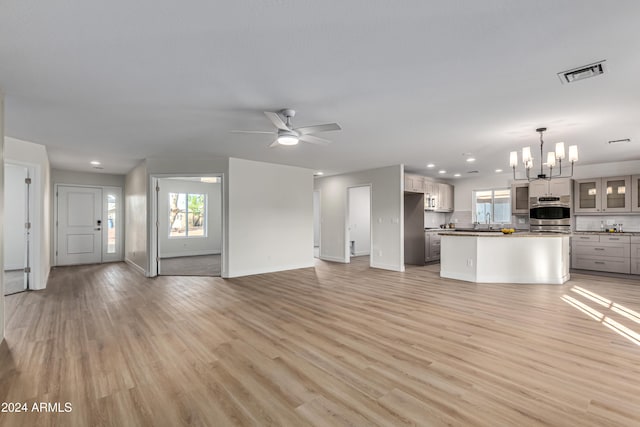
<point x="413" y="183"/>
<point x="444" y="201"/>
<point x="520" y="199"/>
<point x="438" y="196"/>
<point x="555" y="187"/>
<point x="635" y="193"/>
<point x="610" y="195"/>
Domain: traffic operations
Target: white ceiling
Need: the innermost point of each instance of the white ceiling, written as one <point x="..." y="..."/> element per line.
<point x="410" y="82"/>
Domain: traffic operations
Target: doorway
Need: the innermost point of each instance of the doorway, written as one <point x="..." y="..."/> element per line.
<point x="316" y="224"/>
<point x="189" y="226"/>
<point x="358" y="222"/>
<point x="18" y="200"/>
<point x="88" y="224"/>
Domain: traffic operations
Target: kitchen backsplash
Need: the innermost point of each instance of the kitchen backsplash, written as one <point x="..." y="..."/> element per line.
<point x="592" y="223"/>
<point x="464" y="219"/>
<point x="434" y="219"/>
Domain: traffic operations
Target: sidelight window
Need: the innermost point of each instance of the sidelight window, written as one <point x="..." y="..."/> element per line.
<point x="187" y="215"/>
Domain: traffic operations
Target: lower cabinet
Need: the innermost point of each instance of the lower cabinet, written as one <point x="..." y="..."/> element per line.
<point x="602" y="253"/>
<point x="635" y="254"/>
<point x="431" y="246"/>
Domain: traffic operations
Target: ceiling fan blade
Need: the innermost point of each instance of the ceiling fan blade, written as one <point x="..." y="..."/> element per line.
<point x="274" y="144"/>
<point x="276" y="120"/>
<point x="314" y="139"/>
<point x="318" y="128"/>
<point x="251" y="131"/>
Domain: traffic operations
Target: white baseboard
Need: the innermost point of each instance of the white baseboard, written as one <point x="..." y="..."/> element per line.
<point x="387" y="266"/>
<point x="332" y="259"/>
<point x="251" y="272"/>
<point x="135" y="266"/>
<point x="188" y="253"/>
<point x="362" y="253"/>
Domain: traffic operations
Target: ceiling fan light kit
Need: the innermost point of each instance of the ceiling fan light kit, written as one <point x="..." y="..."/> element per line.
<point x="288" y="135"/>
<point x="552" y="157"/>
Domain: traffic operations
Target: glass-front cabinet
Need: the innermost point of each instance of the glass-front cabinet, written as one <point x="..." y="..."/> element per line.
<point x="587" y="195"/>
<point x="610" y="195"/>
<point x="520" y="199"/>
<point x="616" y="196"/>
<point x="635" y="193"/>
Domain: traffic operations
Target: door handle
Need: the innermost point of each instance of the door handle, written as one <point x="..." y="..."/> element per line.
<point x="97" y="229"/>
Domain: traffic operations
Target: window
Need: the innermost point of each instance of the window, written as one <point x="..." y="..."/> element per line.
<point x="112" y="218"/>
<point x="187" y="215"/>
<point x="493" y="206"/>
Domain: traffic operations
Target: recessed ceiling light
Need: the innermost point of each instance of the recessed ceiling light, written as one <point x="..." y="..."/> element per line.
<point x="94" y="162"/>
<point x="442" y="171"/>
<point x="498" y="170"/>
<point x="431" y="165"/>
<point x="319" y="173"/>
<point x="456" y="175"/>
<point x="471" y="159"/>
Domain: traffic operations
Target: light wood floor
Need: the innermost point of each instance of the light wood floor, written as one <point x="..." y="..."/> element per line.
<point x="334" y="345"/>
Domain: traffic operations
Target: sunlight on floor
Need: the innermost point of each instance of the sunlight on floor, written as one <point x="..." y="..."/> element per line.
<point x="615" y="326"/>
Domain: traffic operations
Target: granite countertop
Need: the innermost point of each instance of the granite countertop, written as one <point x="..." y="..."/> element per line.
<point x="501" y="234"/>
<point x="629" y="233"/>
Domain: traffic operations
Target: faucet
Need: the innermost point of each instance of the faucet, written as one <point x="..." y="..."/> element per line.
<point x="487" y="219"/>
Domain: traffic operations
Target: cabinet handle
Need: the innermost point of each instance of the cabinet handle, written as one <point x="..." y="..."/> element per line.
<point x="598" y="262"/>
<point x="599" y="249"/>
<point x="614" y="238"/>
<point x="585" y="238"/>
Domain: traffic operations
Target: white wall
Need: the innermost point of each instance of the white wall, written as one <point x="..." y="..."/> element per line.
<point x="15" y="216"/>
<point x="189" y="246"/>
<point x="59" y="176"/>
<point x="270" y="221"/>
<point x="387" y="203"/>
<point x="1" y="215"/>
<point x="135" y="214"/>
<point x="316" y="218"/>
<point x="35" y="155"/>
<point x="360" y="219"/>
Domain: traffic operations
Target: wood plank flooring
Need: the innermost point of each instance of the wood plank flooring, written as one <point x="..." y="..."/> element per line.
<point x="330" y="346"/>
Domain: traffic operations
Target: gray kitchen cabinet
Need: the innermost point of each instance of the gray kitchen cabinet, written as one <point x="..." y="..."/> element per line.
<point x="444" y="201"/>
<point x="601" y="253"/>
<point x="635" y="193"/>
<point x="556" y="187"/>
<point x="431" y="245"/>
<point x="520" y="199"/>
<point x="413" y="183"/>
<point x="610" y="195"/>
<point x="635" y="254"/>
<point x="431" y="195"/>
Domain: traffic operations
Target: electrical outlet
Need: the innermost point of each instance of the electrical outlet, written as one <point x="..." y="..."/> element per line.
<point x="469" y="262"/>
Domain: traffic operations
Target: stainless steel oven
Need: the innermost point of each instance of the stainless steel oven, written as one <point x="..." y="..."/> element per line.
<point x="551" y="214"/>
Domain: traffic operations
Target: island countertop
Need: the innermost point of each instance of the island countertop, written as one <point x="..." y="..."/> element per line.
<point x="501" y="234"/>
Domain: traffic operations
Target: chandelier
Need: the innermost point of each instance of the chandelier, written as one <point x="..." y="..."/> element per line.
<point x="552" y="158"/>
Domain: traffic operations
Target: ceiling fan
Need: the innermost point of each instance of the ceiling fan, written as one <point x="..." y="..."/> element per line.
<point x="287" y="134"/>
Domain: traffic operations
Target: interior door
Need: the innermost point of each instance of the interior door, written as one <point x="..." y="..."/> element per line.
<point x="79" y="225"/>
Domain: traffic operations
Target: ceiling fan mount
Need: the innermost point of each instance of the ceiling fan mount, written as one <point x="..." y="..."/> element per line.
<point x="288" y="135"/>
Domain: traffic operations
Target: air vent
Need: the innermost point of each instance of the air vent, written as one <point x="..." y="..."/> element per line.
<point x="620" y="141"/>
<point x="583" y="72"/>
<point x="473" y="172"/>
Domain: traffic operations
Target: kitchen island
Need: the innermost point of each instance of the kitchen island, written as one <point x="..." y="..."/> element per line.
<point x="494" y="257"/>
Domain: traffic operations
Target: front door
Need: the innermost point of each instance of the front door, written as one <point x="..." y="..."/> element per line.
<point x="79" y="225"/>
